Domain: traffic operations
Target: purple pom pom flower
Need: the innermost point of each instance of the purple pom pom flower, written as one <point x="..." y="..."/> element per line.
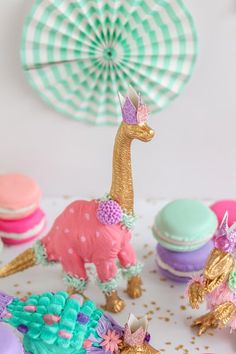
<point x="109" y="212"/>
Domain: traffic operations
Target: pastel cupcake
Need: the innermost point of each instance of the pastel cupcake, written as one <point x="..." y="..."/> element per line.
<point x="184" y="225"/>
<point x="221" y="206"/>
<point x="19" y="196"/>
<point x="19" y="231"/>
<point x="184" y="229"/>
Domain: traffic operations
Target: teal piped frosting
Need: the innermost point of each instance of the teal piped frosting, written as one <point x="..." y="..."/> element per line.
<point x="133" y="270"/>
<point x="41" y="254"/>
<point x="127" y="220"/>
<point x="112" y="284"/>
<point x="78" y="320"/>
<point x="79" y="284"/>
<point x="184" y="225"/>
<point x="232" y="280"/>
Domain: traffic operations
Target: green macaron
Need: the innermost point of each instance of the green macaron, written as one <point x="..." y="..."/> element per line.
<point x="184" y="225"/>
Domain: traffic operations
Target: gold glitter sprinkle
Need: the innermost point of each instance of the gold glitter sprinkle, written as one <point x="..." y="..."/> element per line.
<point x="183" y="308"/>
<point x="16" y="285"/>
<point x="210" y="334"/>
<point x="153" y="271"/>
<point x="180" y="346"/>
<point x="162" y="279"/>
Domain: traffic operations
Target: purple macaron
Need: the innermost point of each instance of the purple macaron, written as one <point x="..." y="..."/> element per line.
<point x="181" y="266"/>
<point x="9" y="342"/>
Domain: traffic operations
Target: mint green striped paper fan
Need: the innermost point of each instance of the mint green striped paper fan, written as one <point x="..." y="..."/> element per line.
<point x="78" y="53"/>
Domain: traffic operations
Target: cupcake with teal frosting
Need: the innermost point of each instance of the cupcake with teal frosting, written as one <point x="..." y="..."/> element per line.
<point x="57" y="323"/>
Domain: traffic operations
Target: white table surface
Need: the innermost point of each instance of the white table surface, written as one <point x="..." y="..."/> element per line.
<point x="163" y="301"/>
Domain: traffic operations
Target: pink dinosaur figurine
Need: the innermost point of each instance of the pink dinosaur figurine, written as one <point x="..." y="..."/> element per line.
<point x="218" y="283"/>
<point x="98" y="231"/>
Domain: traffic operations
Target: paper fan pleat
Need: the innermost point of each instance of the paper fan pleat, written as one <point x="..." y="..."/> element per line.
<point x="77" y="53"/>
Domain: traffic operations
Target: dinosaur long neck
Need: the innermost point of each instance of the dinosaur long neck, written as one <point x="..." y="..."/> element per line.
<point x="122" y="183"/>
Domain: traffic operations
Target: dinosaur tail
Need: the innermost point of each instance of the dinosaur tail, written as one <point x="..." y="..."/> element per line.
<point x="25" y="260"/>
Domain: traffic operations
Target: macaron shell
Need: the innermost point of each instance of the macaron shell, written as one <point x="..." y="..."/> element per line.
<point x="9" y="342"/>
<point x="186" y="262"/>
<point x="181" y="247"/>
<point x="184" y="225"/>
<point x="168" y="275"/>
<point x="19" y="196"/>
<point x="221" y="206"/>
<point x="29" y="228"/>
<point x="13" y="242"/>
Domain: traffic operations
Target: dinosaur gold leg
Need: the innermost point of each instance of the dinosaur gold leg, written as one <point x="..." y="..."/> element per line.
<point x="196" y="293"/>
<point x="134" y="288"/>
<point x="217" y="318"/>
<point x="113" y="302"/>
<point x="224" y="312"/>
<point x="204" y="322"/>
<point x="72" y="291"/>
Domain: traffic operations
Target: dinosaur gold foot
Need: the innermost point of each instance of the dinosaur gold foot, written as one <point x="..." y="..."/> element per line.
<point x="113" y="302"/>
<point x="204" y="322"/>
<point x="134" y="289"/>
<point x="196" y="294"/>
<point x="217" y="318"/>
<point x="224" y="312"/>
<point x="73" y="291"/>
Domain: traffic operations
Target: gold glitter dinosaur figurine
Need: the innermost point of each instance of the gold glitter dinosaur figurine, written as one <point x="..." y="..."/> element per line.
<point x="217" y="284"/>
<point x="98" y="231"/>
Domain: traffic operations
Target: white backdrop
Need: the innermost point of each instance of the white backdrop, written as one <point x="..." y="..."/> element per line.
<point x="193" y="154"/>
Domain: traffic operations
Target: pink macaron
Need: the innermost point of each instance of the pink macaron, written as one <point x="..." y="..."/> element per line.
<point x="19" y="196"/>
<point x="14" y="232"/>
<point x="221" y="206"/>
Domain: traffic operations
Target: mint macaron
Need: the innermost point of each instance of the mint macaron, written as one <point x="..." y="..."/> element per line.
<point x="184" y="225"/>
